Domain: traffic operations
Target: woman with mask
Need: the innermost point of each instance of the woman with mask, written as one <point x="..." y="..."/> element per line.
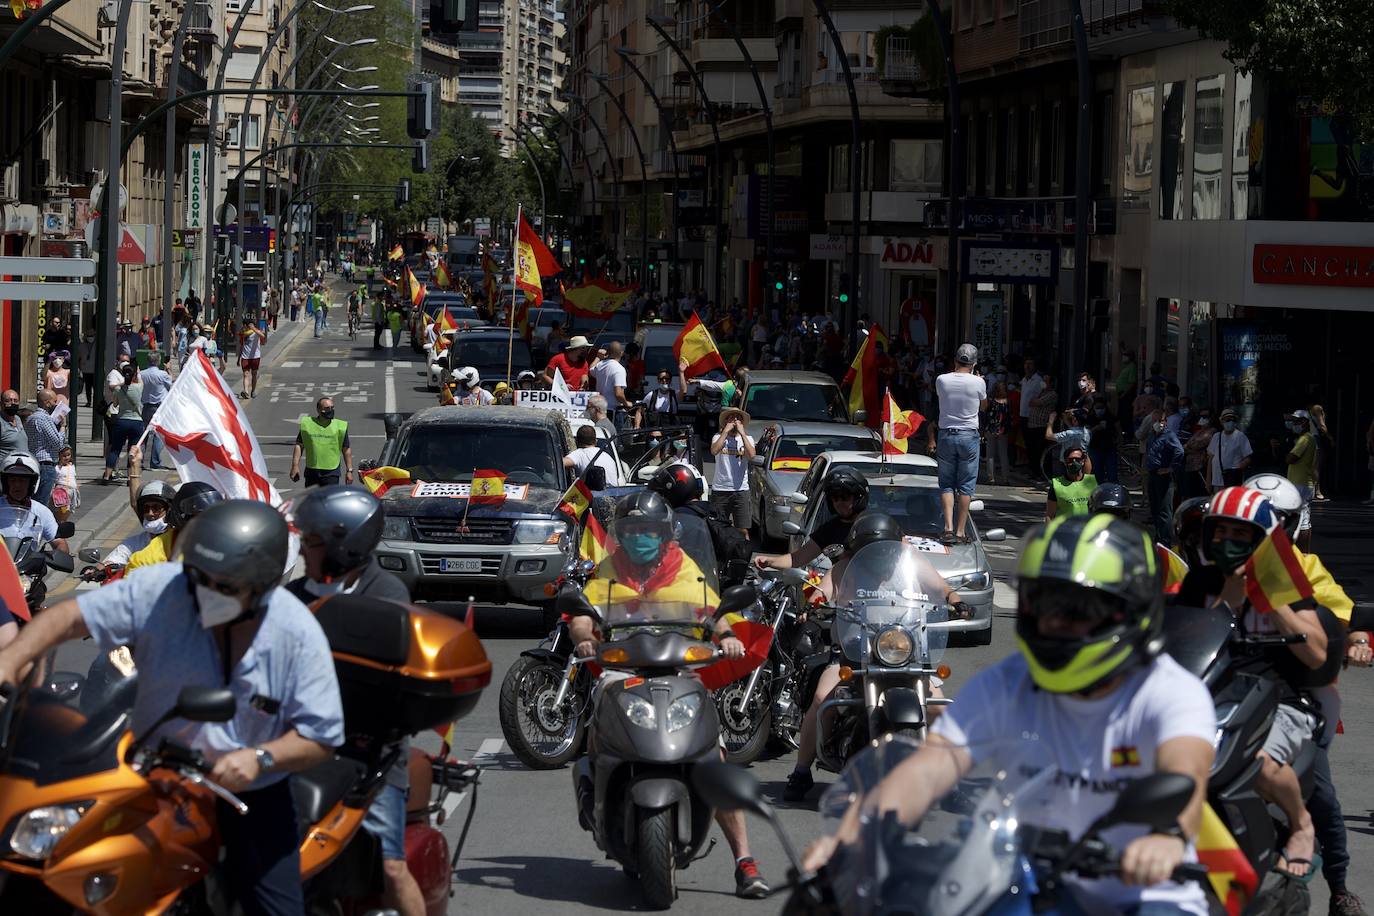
<point x="1193" y="480"/>
<point x="126" y="418"/>
<point x="57" y="376"/>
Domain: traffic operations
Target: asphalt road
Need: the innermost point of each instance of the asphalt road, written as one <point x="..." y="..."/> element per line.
<point x="526" y="853"/>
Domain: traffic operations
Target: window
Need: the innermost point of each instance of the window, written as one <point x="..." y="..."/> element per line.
<point x="1140" y="144"/>
<point x="1172" y="139"/>
<point x="234" y="6"/>
<point x="243" y="63"/>
<point x="1012" y="152"/>
<point x="1009" y="8"/>
<point x="1240" y="150"/>
<point x="839" y="167"/>
<point x="1032" y="150"/>
<point x="990" y="154"/>
<point x="252" y="140"/>
<point x="971" y="156"/>
<point x="917" y="166"/>
<point x="965" y="14"/>
<point x="1056" y="145"/>
<point x="1200" y="352"/>
<point x="1209" y="118"/>
<point x="987" y="10"/>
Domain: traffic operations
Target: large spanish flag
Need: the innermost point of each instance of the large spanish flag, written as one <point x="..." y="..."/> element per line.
<point x="488" y="488"/>
<point x="379" y="480"/>
<point x="898" y="426"/>
<point x="695" y="345"/>
<point x="597" y="299"/>
<point x="414" y="288"/>
<point x="1274" y="575"/>
<point x="862" y="378"/>
<point x="533" y="262"/>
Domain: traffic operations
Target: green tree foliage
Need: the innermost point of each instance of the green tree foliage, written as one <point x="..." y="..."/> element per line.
<point x="1322" y="48"/>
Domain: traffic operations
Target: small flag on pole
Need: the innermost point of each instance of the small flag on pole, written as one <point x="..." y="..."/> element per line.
<point x="380" y="480"/>
<point x="695" y="345"/>
<point x="488" y="488"/>
<point x="397" y="253"/>
<point x="898" y="426"/>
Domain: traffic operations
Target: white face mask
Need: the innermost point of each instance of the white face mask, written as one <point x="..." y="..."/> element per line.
<point x="155" y="525"/>
<point x="215" y="608"/>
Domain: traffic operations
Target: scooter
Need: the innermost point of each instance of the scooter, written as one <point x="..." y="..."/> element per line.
<point x="33" y="561"/>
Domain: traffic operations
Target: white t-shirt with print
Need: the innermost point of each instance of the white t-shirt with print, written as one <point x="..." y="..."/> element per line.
<point x="732" y="466"/>
<point x="1095" y="745"/>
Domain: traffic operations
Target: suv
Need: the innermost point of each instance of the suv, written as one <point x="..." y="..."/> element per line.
<point x="444" y="549"/>
<point x="799" y="397"/>
<point x="487" y="350"/>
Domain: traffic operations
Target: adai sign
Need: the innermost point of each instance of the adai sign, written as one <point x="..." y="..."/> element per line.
<point x="907" y="254"/>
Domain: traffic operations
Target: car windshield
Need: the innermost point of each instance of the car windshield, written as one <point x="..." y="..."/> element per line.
<point x="915" y="508"/>
<point x="544" y="318"/>
<point x="442" y="453"/>
<point x="799" y="401"/>
<point x="620" y="326"/>
<point x="487" y="354"/>
<point x="797" y="452"/>
<point x="659" y="359"/>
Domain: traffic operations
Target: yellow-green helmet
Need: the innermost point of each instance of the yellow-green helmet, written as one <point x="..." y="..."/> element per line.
<point x="1097" y="570"/>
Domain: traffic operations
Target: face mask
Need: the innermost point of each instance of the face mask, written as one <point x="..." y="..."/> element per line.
<point x="1100" y="411"/>
<point x="57" y="364"/>
<point x="327" y="414"/>
<point x="155" y="526"/>
<point x="643" y="548"/>
<point x="1231" y="555"/>
<point x="662" y="386"/>
<point x="1159" y="427"/>
<point x="1184" y="411"/>
<point x="1075" y="467"/>
<point x="1082" y="384"/>
<point x="215" y="608"/>
<point x="324" y="589"/>
<point x="11" y="410"/>
<point x="1148" y="390"/>
<point x="1230" y="425"/>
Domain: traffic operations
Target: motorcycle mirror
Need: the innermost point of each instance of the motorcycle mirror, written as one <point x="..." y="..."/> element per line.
<point x="1155" y="801"/>
<point x="89" y="555"/>
<point x="66" y="530"/>
<point x="59" y="560"/>
<point x="977" y="505"/>
<point x="728" y="787"/>
<point x="736" y="598"/>
<point x="790" y="527"/>
<point x="205" y="704"/>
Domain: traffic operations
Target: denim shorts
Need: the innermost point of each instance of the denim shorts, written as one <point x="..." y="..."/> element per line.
<point x="386" y="820"/>
<point x="957" y="456"/>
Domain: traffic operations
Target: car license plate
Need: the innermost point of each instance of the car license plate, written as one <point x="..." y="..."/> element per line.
<point x="460" y="565"/>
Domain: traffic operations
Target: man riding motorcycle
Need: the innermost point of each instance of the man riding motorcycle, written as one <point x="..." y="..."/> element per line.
<point x="1091" y="682"/>
<point x="847" y="491"/>
<point x="682" y="486"/>
<point x="866" y="528"/>
<point x="340" y="527"/>
<point x="151" y="504"/>
<point x="20" y="515"/>
<point x="218" y="619"/>
<point x="190" y="499"/>
<point x="652" y="567"/>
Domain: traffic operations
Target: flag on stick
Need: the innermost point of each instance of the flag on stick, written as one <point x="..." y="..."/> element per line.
<point x="1274" y="575"/>
<point x="695" y="345"/>
<point x="488" y="488"/>
<point x="597" y="299"/>
<point x="397" y="253"/>
<point x="576" y="500"/>
<point x="379" y="480"/>
<point x="441" y="276"/>
<point x="533" y="262"/>
<point x="898" y="426"/>
<point x="863" y="377"/>
<point x="594" y="544"/>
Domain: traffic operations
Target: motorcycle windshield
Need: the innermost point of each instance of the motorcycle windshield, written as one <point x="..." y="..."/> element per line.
<point x="656" y="573"/>
<point x="888" y="585"/>
<point x="964" y="854"/>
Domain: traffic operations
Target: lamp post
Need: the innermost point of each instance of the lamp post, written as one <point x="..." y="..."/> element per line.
<point x="643" y="178"/>
<point x="169" y="156"/>
<point x="617" y="172"/>
<point x="563" y="156"/>
<point x="574" y="137"/>
<point x="534" y="167"/>
<point x="957" y="139"/>
<point x="656" y="24"/>
<point x="627" y="55"/>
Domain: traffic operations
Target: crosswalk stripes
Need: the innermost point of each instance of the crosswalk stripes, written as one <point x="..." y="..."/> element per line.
<point x="291" y="364"/>
<point x="329" y="364"/>
<point x="347" y="364"/>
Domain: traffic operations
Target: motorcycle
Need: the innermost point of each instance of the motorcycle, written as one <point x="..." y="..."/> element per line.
<point x="651" y="725"/>
<point x="889" y="637"/>
<point x="33" y="561"/>
<point x="97" y="572"/>
<point x="989" y="846"/>
<point x="109" y="824"/>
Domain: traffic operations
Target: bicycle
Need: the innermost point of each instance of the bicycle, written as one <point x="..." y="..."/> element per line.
<point x="354" y="320"/>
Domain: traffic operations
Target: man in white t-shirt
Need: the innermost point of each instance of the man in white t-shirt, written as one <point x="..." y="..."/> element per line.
<point x="1094" y="725"/>
<point x="609" y="376"/>
<point x="962" y="395"/>
<point x="1228" y="454"/>
<point x="733" y="450"/>
<point x="588" y="453"/>
<point x="1032" y="384"/>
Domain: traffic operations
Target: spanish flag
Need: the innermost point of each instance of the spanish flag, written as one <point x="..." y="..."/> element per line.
<point x="533" y="262"/>
<point x="441" y="276"/>
<point x="898" y="426"/>
<point x="379" y="480"/>
<point x="397" y="253"/>
<point x="1274" y="575"/>
<point x="1173" y="567"/>
<point x="488" y="488"/>
<point x="444" y="322"/>
<point x="594" y="544"/>
<point x="414" y="288"/>
<point x="790" y="464"/>
<point x="596" y="299"/>
<point x="695" y="345"/>
<point x="1229" y="871"/>
<point x="862" y="377"/>
<point x="577" y="500"/>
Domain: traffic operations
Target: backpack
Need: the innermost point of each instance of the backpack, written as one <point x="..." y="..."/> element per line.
<point x="726" y="540"/>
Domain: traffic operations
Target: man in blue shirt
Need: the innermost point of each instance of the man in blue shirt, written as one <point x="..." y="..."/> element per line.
<point x="156" y="384"/>
<point x="218" y="619"/>
<point x="45" y="441"/>
<point x="1163" y="457"/>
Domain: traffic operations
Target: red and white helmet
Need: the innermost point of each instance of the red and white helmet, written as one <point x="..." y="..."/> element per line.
<point x="1238" y="504"/>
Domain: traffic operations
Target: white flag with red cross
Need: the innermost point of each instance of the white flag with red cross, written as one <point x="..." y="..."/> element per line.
<point x="208" y="434"/>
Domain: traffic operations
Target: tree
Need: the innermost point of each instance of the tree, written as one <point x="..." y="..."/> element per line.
<point x="1321" y="48"/>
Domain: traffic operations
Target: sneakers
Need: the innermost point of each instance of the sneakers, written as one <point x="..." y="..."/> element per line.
<point x="1343" y="903"/>
<point x="749" y="884"/>
<point x="799" y="782"/>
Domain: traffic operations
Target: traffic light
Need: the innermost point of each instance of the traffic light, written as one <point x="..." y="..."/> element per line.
<point x="419" y="162"/>
<point x="403" y="192"/>
<point x="581" y="262"/>
<point x="844" y="288"/>
<point x="420" y="111"/>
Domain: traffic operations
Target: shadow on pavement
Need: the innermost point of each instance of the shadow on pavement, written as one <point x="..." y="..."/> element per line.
<point x="602" y="887"/>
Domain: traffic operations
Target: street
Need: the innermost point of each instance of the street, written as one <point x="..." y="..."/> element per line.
<point x="525" y="852"/>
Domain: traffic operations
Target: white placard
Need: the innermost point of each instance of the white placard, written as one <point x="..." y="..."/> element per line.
<point x="925" y="545"/>
<point x="547" y="400"/>
<point x="462" y="490"/>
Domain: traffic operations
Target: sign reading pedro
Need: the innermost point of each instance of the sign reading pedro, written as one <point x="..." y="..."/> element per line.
<point x="1314" y="265"/>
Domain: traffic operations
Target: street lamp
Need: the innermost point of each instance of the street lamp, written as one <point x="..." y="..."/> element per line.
<point x="617" y="172"/>
<point x="627" y="56"/>
<point x="643" y="178"/>
<point x="575" y="137"/>
<point x="562" y="155"/>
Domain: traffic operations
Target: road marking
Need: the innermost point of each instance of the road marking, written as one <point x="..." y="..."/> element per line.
<point x="365" y="364"/>
<point x="291" y="364"/>
<point x="402" y="364"/>
<point x="329" y="364"/>
<point x="489" y="747"/>
<point x="1003" y="596"/>
<point x="390" y="389"/>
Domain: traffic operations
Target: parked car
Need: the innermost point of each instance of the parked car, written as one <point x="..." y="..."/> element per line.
<point x="782" y="462"/>
<point x="913" y="499"/>
<point x="808" y="397"/>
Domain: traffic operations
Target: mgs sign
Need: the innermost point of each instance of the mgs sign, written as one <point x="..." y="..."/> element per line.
<point x="195" y="186"/>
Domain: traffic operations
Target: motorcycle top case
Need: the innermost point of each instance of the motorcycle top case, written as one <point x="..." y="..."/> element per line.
<point x="402" y="669"/>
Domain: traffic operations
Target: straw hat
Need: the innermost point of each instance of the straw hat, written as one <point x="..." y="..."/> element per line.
<point x="730" y="412"/>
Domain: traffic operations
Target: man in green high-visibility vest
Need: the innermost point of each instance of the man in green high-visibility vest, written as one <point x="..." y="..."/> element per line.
<point x="323" y="442"/>
<point x="1068" y="493"/>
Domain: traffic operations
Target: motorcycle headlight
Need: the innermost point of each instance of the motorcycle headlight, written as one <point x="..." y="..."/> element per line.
<point x="25" y="581"/>
<point x="639" y="711"/>
<point x="38" y="830"/>
<point x="682" y="711"/>
<point x="894" y="646"/>
<point x="396" y="528"/>
<point x="538" y="532"/>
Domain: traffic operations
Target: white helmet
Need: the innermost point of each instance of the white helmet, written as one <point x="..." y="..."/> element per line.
<point x="468" y="377"/>
<point x="1283" y="496"/>
<point x="21" y="464"/>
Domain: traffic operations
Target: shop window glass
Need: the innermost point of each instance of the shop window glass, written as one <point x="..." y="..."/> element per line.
<point x="1009" y="142"/>
<point x="1140" y="145"/>
<point x="1200" y="353"/>
<point x="1173" y="138"/>
<point x="1209" y="119"/>
<point x="839" y="167"/>
<point x="1240" y="149"/>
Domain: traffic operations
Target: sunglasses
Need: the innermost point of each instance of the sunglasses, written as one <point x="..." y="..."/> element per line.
<point x="199" y="578"/>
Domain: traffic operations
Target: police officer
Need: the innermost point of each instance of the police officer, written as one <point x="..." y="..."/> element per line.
<point x="323" y="441"/>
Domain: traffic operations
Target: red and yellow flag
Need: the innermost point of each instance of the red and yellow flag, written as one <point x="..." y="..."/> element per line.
<point x="594" y="544"/>
<point x="397" y="253"/>
<point x="695" y="345"/>
<point x="1229" y="871"/>
<point x="444" y="322"/>
<point x="441" y="276"/>
<point x="863" y="377"/>
<point x="898" y="426"/>
<point x="1173" y="568"/>
<point x="1274" y="575"/>
<point x="533" y="262"/>
<point x="597" y="299"/>
<point x="488" y="488"/>
<point x="790" y="464"/>
<point x="414" y="288"/>
<point x="379" y="480"/>
<point x="577" y="500"/>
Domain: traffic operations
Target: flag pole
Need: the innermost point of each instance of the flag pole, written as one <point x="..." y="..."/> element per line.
<point x="463" y="526"/>
<point x="514" y="286"/>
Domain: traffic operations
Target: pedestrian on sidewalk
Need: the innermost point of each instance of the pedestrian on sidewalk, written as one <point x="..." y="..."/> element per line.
<point x="1228" y="454"/>
<point x="1163" y="456"/>
<point x="156" y="384"/>
<point x="57" y="376"/>
<point x="13" y="438"/>
<point x="323" y="442"/>
<point x="998" y="424"/>
<point x="1302" y="471"/>
<point x="66" y="493"/>
<point x="85" y="364"/>
<point x="45" y="441"/>
<point x="251" y="338"/>
<point x="193" y="305"/>
<point x="1325" y="445"/>
<point x="1032" y="383"/>
<point x="962" y="395"/>
<point x="126" y="424"/>
<point x="273" y="307"/>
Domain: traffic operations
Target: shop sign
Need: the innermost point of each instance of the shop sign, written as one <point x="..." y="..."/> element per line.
<point x="1314" y="265"/>
<point x="907" y="254"/>
<point x="1003" y="262"/>
<point x="828" y="247"/>
<point x="988" y="313"/>
<point x="195" y="186"/>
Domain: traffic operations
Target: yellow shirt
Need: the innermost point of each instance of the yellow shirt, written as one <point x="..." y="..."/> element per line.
<point x="1325" y="590"/>
<point x="159" y="550"/>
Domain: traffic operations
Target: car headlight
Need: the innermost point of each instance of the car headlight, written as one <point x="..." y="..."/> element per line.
<point x="894" y="646"/>
<point x="977" y="581"/>
<point x="639" y="711"/>
<point x="538" y="532"/>
<point x="682" y="711"/>
<point x="39" y="830"/>
<point x="396" y="528"/>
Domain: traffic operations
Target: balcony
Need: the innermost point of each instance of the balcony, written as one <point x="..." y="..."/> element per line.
<point x="723" y="53"/>
<point x="791" y="12"/>
<point x="73" y="29"/>
<point x="1121" y="26"/>
<point x="201" y="24"/>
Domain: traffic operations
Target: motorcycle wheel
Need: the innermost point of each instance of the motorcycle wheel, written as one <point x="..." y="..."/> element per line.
<point x="657" y="864"/>
<point x="542" y="737"/>
<point x="744" y="733"/>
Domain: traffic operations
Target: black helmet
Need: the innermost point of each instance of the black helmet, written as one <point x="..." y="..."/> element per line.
<point x="645" y="507"/>
<point x="643" y="526"/>
<point x="1188" y="527"/>
<point x="1094" y="568"/>
<point x="346" y="520"/>
<point x="870" y="528"/>
<point x="1112" y="498"/>
<point x="845" y="481"/>
<point x="678" y="483"/>
<point x="191" y="499"/>
<point x="241" y="542"/>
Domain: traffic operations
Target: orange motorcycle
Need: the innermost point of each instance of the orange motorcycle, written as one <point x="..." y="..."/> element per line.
<point x="96" y="818"/>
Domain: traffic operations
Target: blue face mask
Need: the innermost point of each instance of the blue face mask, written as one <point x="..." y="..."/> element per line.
<point x="642" y="547"/>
